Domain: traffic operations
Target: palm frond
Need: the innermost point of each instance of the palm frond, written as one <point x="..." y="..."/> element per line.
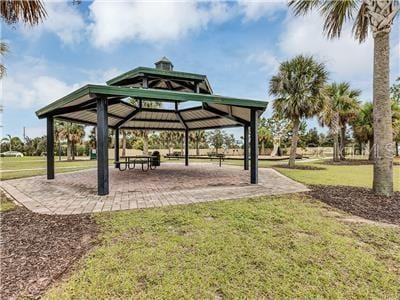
<point x="302" y="7"/>
<point x="336" y="13"/>
<point x="31" y="12"/>
<point x="361" y="24"/>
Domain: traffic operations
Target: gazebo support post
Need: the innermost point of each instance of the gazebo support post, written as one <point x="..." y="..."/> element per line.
<point x="102" y="147"/>
<point x="254" y="147"/>
<point x="246" y="146"/>
<point x="50" y="147"/>
<point x="186" y="147"/>
<point x="116" y="148"/>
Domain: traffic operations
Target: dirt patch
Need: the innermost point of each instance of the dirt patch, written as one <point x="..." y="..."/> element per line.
<point x="360" y="202"/>
<point x="36" y="249"/>
<point x="300" y="167"/>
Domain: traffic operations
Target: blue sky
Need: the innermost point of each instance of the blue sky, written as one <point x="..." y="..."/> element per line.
<point x="238" y="45"/>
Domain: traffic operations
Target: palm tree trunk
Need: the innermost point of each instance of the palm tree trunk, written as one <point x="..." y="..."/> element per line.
<point x="197" y="147"/>
<point x="123" y="143"/>
<point x="295" y="138"/>
<point x="73" y="150"/>
<point x="145" y="142"/>
<point x="262" y="148"/>
<point x="383" y="138"/>
<point x="69" y="150"/>
<point x="397" y="148"/>
<point x="342" y="146"/>
<point x="371" y="149"/>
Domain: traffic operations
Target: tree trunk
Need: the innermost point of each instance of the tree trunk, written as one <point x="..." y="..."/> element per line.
<point x="371" y="149"/>
<point x="295" y="138"/>
<point x="397" y="148"/>
<point x="69" y="150"/>
<point x="277" y="143"/>
<point x="335" y="134"/>
<point x="73" y="150"/>
<point x="197" y="148"/>
<point x="262" y="148"/>
<point x="145" y="142"/>
<point x="383" y="138"/>
<point x="123" y="143"/>
<point x="342" y="146"/>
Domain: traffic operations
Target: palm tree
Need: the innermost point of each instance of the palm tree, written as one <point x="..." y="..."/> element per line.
<point x="363" y="127"/>
<point x="298" y="87"/>
<point x="340" y="106"/>
<point x="30" y="12"/>
<point x="263" y="135"/>
<point x="76" y="135"/>
<point x="379" y="16"/>
<point x="145" y="133"/>
<point x="197" y="137"/>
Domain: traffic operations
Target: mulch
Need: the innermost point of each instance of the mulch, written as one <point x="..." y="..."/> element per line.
<point x="351" y="162"/>
<point x="361" y="202"/>
<point x="37" y="249"/>
<point x="300" y="167"/>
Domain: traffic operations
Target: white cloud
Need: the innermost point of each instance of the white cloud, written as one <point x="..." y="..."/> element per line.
<point x="256" y="9"/>
<point x="64" y="20"/>
<point x="152" y="21"/>
<point x="24" y="92"/>
<point x="345" y="57"/>
<point x="269" y="62"/>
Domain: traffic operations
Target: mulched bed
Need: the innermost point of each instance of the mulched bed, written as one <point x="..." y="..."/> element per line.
<point x="300" y="167"/>
<point x="360" y="202"/>
<point x="36" y="249"/>
<point x="352" y="162"/>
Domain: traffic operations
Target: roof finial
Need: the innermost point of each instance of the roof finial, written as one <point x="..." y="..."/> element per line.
<point x="164" y="64"/>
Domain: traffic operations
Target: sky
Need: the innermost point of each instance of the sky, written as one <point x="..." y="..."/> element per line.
<point x="238" y="45"/>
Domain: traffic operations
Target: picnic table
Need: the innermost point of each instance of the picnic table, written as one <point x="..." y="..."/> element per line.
<point x="130" y="162"/>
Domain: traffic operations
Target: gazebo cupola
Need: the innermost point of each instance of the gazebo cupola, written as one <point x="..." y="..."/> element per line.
<point x="164" y="64"/>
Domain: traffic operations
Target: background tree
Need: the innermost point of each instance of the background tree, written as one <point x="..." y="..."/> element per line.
<point x="145" y="133"/>
<point x="7" y="142"/>
<point x="216" y="139"/>
<point x="264" y="136"/>
<point x="197" y="137"/>
<point x="278" y="127"/>
<point x="298" y="88"/>
<point x="340" y="106"/>
<point x="167" y="138"/>
<point x="379" y="16"/>
<point x="363" y="127"/>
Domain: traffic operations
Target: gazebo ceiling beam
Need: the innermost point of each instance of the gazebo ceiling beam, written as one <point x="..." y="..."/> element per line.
<point x="154" y="120"/>
<point x="153" y="128"/>
<point x="109" y="114"/>
<point x="180" y="116"/>
<point x="203" y="119"/>
<point x="215" y="127"/>
<point x="128" y="118"/>
<point x="73" y="120"/>
<point x="225" y="114"/>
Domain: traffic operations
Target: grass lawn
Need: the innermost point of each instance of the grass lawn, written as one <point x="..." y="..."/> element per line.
<point x="358" y="175"/>
<point x="18" y="167"/>
<point x="268" y="247"/>
<point x="5" y="204"/>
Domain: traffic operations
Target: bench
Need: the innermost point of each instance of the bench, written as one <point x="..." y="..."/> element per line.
<point x="131" y="164"/>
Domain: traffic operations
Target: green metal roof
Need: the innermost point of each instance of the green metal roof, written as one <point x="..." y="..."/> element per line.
<point x="158" y="72"/>
<point x="148" y="94"/>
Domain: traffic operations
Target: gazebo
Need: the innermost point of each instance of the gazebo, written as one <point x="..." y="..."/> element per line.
<point x="105" y="106"/>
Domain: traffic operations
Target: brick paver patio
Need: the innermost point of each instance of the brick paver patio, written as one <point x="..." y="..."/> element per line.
<point x="170" y="184"/>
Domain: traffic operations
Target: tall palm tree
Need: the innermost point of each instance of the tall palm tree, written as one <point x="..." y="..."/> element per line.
<point x="76" y="135"/>
<point x="73" y="133"/>
<point x="197" y="137"/>
<point x="30" y="12"/>
<point x="340" y="106"/>
<point x="298" y="87"/>
<point x="379" y="16"/>
<point x="145" y="133"/>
